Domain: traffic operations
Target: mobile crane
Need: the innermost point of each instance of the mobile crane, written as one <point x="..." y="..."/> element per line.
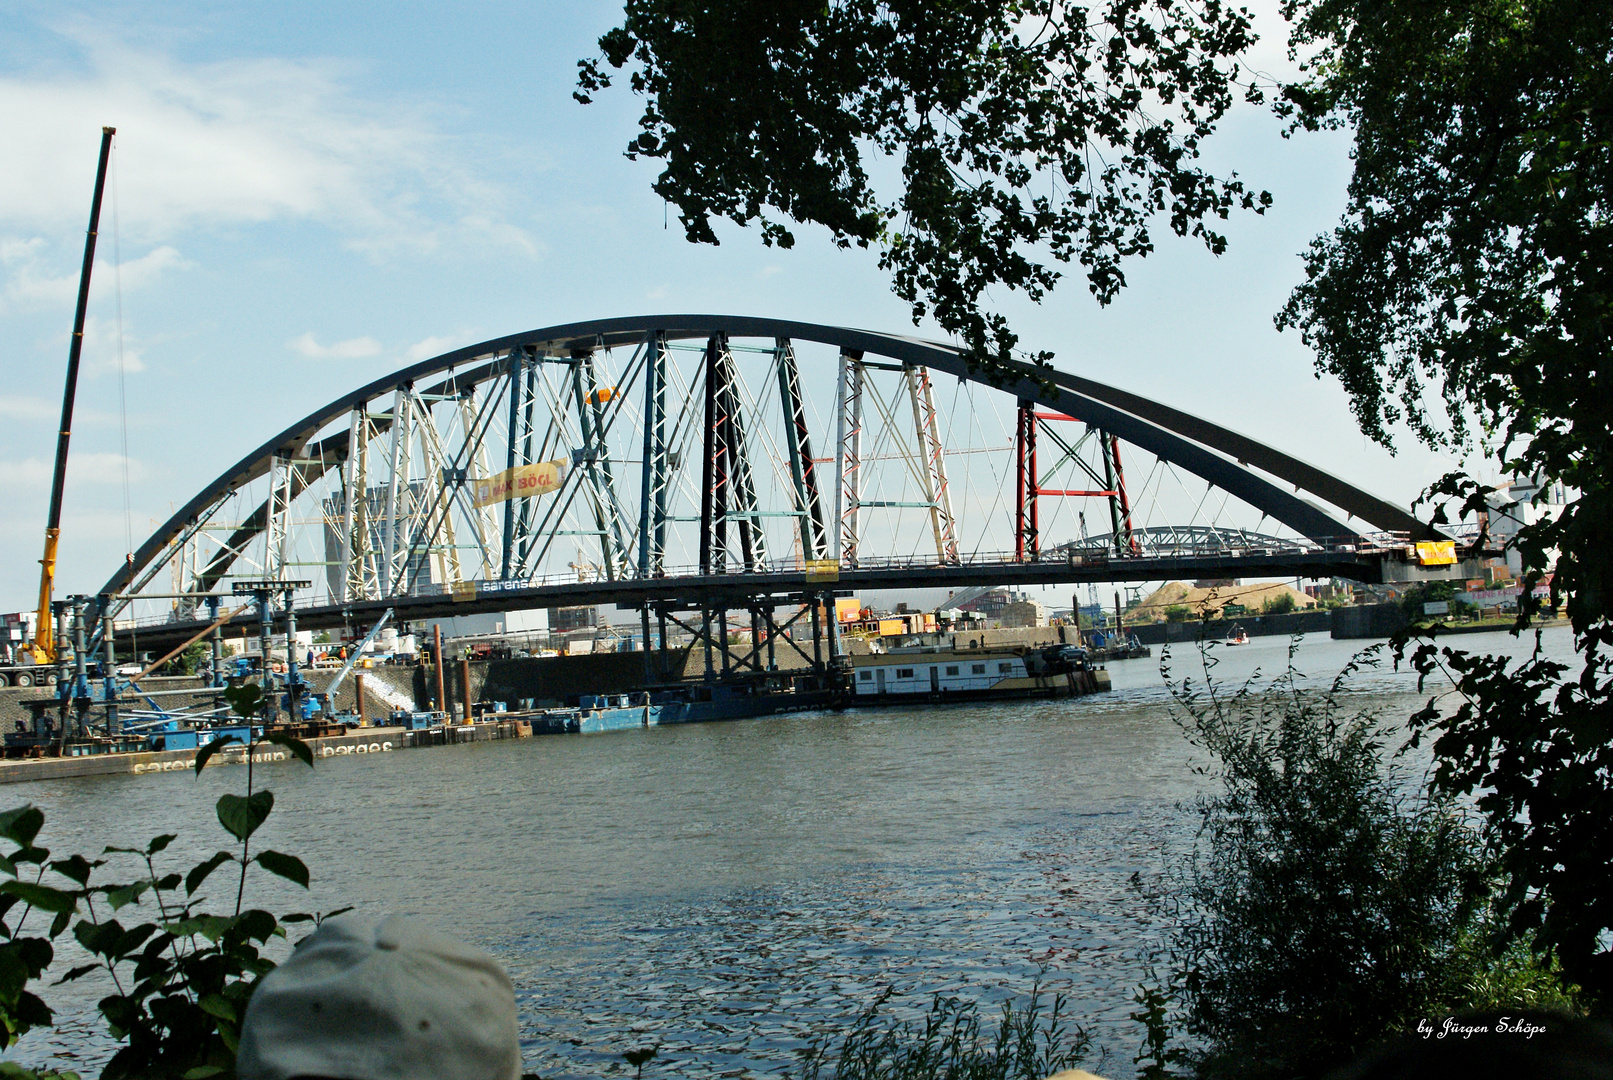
<point x="44" y="644"/>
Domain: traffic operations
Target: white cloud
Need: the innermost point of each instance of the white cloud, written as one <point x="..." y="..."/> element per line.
<point x="351" y="349"/>
<point x="33" y="280"/>
<point x="94" y="470"/>
<point x="238" y="141"/>
<point x="426" y="348"/>
<point x="28" y="408"/>
<point x="101" y="349"/>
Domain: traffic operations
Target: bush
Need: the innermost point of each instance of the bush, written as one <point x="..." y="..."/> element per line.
<point x="1328" y="903"/>
<point x="1281" y="604"/>
<point x="1177" y="613"/>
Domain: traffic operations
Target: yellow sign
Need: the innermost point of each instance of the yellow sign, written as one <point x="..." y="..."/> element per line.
<point x="822" y="570"/>
<point x="1436" y="552"/>
<point x="523" y="481"/>
<point x="463" y="591"/>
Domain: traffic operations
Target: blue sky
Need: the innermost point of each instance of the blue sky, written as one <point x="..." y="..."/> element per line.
<point x="309" y="195"/>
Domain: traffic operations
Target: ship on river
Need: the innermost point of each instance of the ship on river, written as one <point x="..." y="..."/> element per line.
<point x="938" y="673"/>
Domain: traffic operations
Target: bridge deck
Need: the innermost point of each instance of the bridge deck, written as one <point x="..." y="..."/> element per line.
<point x="740" y="590"/>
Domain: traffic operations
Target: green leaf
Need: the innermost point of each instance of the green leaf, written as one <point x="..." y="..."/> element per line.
<point x="320" y="919"/>
<point x="242" y="816"/>
<point x="299" y="748"/>
<point x="36" y="855"/>
<point x="287" y="866"/>
<point x="201" y="1072"/>
<point x="21" y="825"/>
<point x="159" y="843"/>
<point x="76" y="868"/>
<point x="199" y="872"/>
<point x="59" y="923"/>
<point x="42" y="897"/>
<point x="217" y="1006"/>
<point x="77" y="973"/>
<point x="98" y="939"/>
<point x="206" y="753"/>
<point x="245" y="699"/>
<point x="124" y="895"/>
<point x="14" y="973"/>
<point x="257" y="925"/>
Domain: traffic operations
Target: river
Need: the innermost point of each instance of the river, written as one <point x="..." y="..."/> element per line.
<point x="728" y="892"/>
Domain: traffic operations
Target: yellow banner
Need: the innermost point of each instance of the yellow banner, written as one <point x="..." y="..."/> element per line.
<point x="1436" y="552"/>
<point x="523" y="481"/>
<point x="822" y="570"/>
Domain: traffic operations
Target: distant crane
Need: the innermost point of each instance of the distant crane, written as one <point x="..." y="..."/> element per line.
<point x="44" y="646"/>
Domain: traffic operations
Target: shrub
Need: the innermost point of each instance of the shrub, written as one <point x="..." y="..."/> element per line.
<point x="1281" y="604"/>
<point x="1328" y="901"/>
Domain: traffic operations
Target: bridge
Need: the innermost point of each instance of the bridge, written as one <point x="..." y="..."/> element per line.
<point x="701" y="464"/>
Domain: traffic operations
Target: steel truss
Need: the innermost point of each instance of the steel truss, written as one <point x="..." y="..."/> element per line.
<point x="683" y="447"/>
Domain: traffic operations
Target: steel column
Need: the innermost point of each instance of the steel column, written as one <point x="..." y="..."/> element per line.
<point x="934" y="468"/>
<point x="803" y="472"/>
<point x="848" y="456"/>
<point x="653" y="497"/>
<point x="517" y="366"/>
<point x="402" y="409"/>
<point x="109" y="668"/>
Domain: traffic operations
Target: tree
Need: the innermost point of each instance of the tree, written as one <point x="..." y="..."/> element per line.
<point x="1026" y="133"/>
<point x="1466" y="293"/>
<point x="1474" y="263"/>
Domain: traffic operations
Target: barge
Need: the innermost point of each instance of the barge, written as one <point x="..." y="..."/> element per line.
<point x="936" y="673"/>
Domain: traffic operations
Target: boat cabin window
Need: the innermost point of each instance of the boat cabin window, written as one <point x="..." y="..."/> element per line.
<point x="1004" y="669"/>
<point x="865" y="676"/>
<point x="904" y="673"/>
<point x="953" y="670"/>
<point x="977" y="669"/>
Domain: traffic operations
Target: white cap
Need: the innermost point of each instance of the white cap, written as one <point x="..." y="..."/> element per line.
<point x="395" y="1003"/>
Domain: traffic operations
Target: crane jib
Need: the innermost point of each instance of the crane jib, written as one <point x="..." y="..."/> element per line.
<point x="44" y="647"/>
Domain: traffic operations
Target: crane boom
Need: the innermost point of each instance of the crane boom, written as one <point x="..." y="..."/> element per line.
<point x="44" y="647"/>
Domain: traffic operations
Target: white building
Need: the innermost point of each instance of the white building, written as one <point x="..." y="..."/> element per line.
<point x="1520" y="502"/>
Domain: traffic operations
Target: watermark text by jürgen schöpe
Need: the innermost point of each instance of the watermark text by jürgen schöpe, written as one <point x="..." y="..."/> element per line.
<point x="1504" y="1025"/>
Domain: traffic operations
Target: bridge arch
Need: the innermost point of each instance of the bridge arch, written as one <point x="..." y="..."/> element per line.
<point x="310" y="451"/>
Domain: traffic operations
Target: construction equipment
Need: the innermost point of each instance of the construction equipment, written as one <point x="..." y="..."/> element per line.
<point x="44" y="646"/>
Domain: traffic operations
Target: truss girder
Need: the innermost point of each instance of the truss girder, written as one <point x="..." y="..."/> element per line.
<point x="1268" y="480"/>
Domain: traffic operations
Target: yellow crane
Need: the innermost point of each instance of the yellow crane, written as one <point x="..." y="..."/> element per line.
<point x="44" y="646"/>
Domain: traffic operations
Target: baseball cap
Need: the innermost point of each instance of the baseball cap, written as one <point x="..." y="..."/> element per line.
<point x="396" y="1002"/>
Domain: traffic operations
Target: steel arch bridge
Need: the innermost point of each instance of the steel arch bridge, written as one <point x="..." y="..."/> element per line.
<point x="706" y="461"/>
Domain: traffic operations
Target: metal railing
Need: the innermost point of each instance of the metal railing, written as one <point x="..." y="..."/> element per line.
<point x="1226" y="546"/>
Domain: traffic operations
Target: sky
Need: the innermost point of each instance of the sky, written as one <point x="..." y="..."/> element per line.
<point x="306" y="196"/>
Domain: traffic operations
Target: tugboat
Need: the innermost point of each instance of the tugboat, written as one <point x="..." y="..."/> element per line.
<point x="1237" y="636"/>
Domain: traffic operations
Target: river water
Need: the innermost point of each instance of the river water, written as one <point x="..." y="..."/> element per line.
<point x="729" y="892"/>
